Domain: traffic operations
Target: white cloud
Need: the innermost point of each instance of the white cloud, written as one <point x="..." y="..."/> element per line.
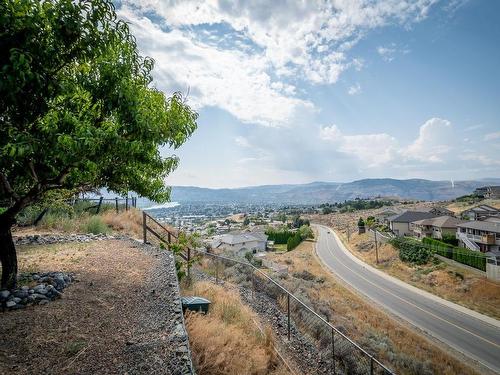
<point x="228" y="79"/>
<point x="371" y="149"/>
<point x="387" y="53"/>
<point x="242" y="142"/>
<point x="433" y="144"/>
<point x="492" y="136"/>
<point x="481" y="158"/>
<point x="433" y="141"/>
<point x="354" y="89"/>
<point x="306" y="38"/>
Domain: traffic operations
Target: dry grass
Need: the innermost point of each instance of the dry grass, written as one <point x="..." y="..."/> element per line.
<point x="86" y="331"/>
<point x="126" y="222"/>
<point x="458" y="207"/>
<point x="228" y="340"/>
<point x="391" y="341"/>
<point x="464" y="287"/>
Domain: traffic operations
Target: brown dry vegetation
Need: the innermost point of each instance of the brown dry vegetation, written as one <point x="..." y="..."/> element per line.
<point x="85" y="331"/>
<point x="391" y="341"/>
<point x="125" y="222"/>
<point x="458" y="207"/>
<point x="228" y="339"/>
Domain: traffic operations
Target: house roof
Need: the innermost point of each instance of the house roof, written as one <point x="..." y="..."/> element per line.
<point x="441" y="210"/>
<point x="410" y="216"/>
<point x="487" y="226"/>
<point x="440" y="222"/>
<point x="237" y="238"/>
<point x="483" y="208"/>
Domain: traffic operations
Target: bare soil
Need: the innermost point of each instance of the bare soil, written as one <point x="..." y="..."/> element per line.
<point x="91" y="328"/>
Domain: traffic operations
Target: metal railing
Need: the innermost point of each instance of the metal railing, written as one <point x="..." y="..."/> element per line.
<point x="336" y="352"/>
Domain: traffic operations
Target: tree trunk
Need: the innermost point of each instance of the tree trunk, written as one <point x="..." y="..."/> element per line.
<point x="8" y="257"/>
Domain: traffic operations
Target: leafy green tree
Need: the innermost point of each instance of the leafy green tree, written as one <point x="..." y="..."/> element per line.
<point x="293" y="241"/>
<point x="78" y="110"/>
<point x="361" y="222"/>
<point x="306" y="232"/>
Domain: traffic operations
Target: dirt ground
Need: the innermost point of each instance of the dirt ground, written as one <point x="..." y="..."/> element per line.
<point x="391" y="341"/>
<point x="89" y="329"/>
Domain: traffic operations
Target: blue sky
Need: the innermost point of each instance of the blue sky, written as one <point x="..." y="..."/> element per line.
<point x="294" y="92"/>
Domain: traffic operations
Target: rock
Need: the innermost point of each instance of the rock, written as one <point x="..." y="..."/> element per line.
<point x="21" y="293"/>
<point x="36" y="296"/>
<point x="16" y="300"/>
<point x="4" y="294"/>
<point x="182" y="349"/>
<point x="10" y="304"/>
<point x="43" y="302"/>
<point x="40" y="289"/>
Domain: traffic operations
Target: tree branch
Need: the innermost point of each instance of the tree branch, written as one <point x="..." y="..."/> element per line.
<point x="32" y="170"/>
<point x="8" y="188"/>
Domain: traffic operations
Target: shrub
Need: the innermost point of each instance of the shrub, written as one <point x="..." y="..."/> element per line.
<point x="279" y="236"/>
<point x="361" y="222"/>
<point x="450" y="239"/>
<point x="411" y="251"/>
<point x="293" y="242"/>
<point x="471" y="258"/>
<point x="306" y="232"/>
<point x="96" y="225"/>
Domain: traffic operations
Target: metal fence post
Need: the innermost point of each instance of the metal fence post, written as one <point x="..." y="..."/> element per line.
<point x="288" y="313"/>
<point x="371" y="365"/>
<point x="253" y="286"/>
<point x="144" y="226"/>
<point x="99" y="206"/>
<point x="116" y="204"/>
<point x="189" y="261"/>
<point x="333" y="351"/>
<point x="126" y="203"/>
<point x="217" y="271"/>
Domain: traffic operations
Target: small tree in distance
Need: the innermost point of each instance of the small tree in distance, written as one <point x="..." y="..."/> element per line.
<point x="77" y="110"/>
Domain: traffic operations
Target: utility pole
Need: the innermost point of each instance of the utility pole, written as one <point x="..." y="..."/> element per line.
<point x="376" y="246"/>
<point x="348" y="233"/>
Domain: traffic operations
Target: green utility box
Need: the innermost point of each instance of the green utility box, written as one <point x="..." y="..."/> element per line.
<point x="197" y="304"/>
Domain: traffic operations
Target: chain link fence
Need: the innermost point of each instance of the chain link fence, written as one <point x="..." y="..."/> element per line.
<point x="335" y="352"/>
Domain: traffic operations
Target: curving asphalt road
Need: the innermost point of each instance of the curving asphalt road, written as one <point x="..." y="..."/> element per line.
<point x="475" y="335"/>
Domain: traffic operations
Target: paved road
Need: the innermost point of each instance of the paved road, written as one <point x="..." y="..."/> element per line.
<point x="470" y="335"/>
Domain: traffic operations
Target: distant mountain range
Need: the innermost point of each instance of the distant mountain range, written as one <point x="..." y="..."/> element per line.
<point x="321" y="192"/>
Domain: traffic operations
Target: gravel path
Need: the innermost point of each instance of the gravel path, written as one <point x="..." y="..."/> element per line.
<point x="121" y="316"/>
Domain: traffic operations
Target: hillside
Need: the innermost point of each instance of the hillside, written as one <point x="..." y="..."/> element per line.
<point x="319" y="192"/>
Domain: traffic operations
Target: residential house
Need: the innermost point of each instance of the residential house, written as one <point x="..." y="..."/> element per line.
<point x="435" y="227"/>
<point x="386" y="213"/>
<point x="400" y="223"/>
<point x="481" y="236"/>
<point x="491" y="192"/>
<point x="240" y="243"/>
<point x="480" y="212"/>
<point x="440" y="211"/>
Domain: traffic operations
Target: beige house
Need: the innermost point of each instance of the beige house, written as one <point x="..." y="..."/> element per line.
<point x="240" y="243"/>
<point x="435" y="227"/>
<point x="400" y="224"/>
